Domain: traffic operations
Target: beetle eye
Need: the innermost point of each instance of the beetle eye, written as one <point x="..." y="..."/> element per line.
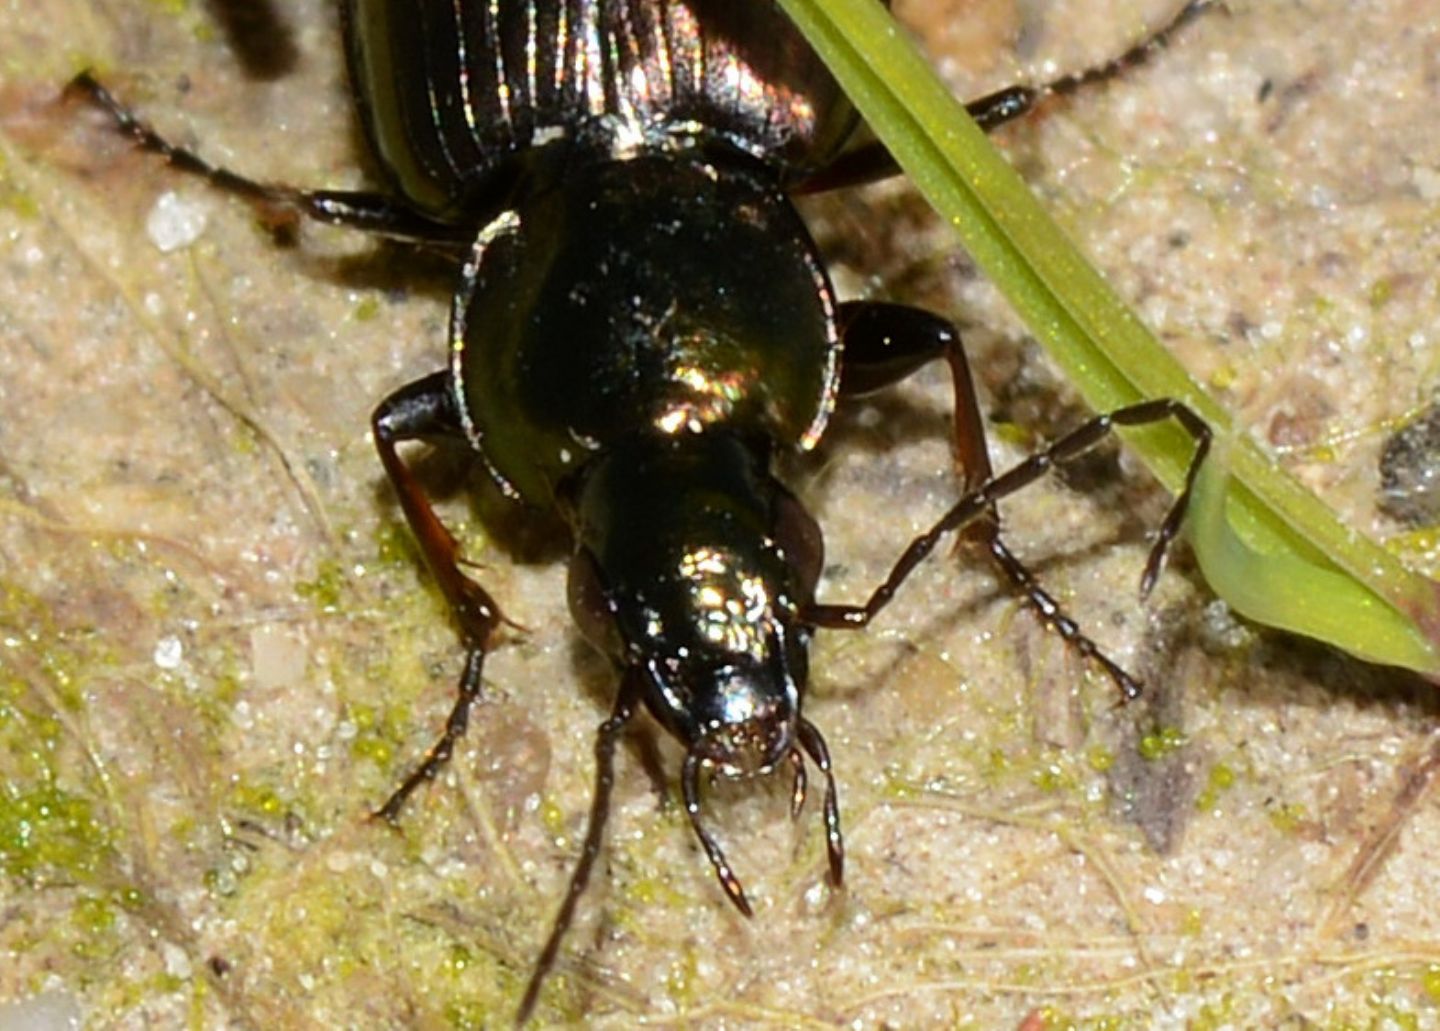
<point x="799" y="537"/>
<point x="590" y="605"/>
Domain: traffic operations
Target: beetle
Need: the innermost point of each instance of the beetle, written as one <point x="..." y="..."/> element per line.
<point x="641" y="324"/>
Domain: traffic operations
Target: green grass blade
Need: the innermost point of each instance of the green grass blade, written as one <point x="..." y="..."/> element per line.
<point x="1269" y="547"/>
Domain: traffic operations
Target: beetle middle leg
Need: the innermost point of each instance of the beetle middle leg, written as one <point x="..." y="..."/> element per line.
<point x="420" y="410"/>
<point x="884" y="343"/>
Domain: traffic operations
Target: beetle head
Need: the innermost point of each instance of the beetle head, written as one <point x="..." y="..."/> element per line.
<point x="693" y="563"/>
<point x="692" y="569"/>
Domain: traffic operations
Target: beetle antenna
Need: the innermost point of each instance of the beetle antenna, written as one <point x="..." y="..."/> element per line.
<point x="814" y="745"/>
<point x="605" y="740"/>
<point x="797" y="790"/>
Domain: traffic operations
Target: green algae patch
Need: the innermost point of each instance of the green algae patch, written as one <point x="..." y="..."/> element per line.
<point x="62" y="861"/>
<point x="1289" y="817"/>
<point x="1220" y="779"/>
<point x="1100" y="757"/>
<point x="395" y="545"/>
<point x="53" y="827"/>
<point x="1163" y="742"/>
<point x="367" y="308"/>
<point x="330" y="587"/>
<point x="49" y="835"/>
<point x="1054" y="776"/>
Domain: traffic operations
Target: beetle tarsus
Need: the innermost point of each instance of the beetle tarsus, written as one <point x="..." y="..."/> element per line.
<point x="440" y="752"/>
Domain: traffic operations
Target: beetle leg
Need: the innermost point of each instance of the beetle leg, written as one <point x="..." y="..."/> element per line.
<point x="872" y="162"/>
<point x="371" y="212"/>
<point x="884" y="343"/>
<point x="605" y="740"/>
<point x="976" y="506"/>
<point x="426" y="408"/>
<point x="1005" y="105"/>
<point x="690" y="788"/>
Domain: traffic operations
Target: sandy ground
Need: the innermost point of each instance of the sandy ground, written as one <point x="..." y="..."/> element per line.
<point x="217" y="651"/>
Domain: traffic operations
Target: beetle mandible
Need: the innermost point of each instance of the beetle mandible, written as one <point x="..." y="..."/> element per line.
<point x="641" y="323"/>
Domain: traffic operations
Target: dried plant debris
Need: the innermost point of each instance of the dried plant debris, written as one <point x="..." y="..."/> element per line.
<point x="1410" y="472"/>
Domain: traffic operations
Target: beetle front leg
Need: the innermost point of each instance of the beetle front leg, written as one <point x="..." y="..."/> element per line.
<point x="884" y="343"/>
<point x="426" y="409"/>
<point x="978" y="504"/>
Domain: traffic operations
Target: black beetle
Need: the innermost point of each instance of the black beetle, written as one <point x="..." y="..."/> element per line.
<point x="641" y="323"/>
